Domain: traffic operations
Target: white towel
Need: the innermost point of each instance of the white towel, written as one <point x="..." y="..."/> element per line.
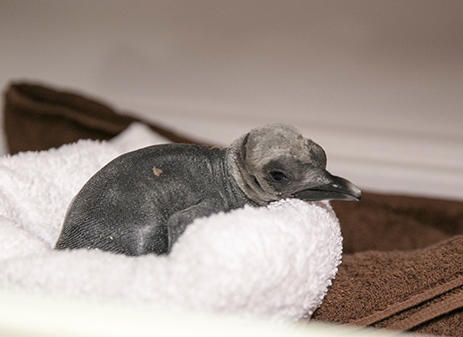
<point x="273" y="262"/>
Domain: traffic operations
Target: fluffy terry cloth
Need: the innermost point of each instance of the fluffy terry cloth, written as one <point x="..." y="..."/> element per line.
<point x="274" y="262"/>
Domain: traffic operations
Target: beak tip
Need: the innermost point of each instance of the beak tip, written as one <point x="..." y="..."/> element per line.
<point x="336" y="189"/>
<point x="354" y="192"/>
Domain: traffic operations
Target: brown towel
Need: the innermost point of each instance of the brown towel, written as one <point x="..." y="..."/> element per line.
<point x="402" y="266"/>
<point x="403" y="256"/>
<point x="37" y="117"/>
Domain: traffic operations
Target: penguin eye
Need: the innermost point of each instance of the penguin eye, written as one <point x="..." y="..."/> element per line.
<point x="278" y="175"/>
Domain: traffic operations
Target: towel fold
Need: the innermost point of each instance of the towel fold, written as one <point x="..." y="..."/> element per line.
<point x="402" y="265"/>
<point x="419" y="290"/>
<point x="402" y="262"/>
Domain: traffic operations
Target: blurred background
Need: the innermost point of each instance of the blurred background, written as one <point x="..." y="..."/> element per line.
<point x="379" y="84"/>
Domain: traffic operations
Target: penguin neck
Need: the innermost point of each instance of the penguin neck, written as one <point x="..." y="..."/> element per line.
<point x="232" y="194"/>
<point x="235" y="164"/>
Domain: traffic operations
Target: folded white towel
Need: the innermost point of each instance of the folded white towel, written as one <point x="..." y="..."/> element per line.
<point x="275" y="262"/>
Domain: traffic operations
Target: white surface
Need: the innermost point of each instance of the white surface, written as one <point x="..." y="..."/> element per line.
<point x="377" y="83"/>
<point x="32" y="316"/>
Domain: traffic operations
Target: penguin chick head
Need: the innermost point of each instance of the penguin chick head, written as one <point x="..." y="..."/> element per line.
<point x="276" y="162"/>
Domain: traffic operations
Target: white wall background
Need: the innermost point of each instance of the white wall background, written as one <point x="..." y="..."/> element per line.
<point x="379" y="84"/>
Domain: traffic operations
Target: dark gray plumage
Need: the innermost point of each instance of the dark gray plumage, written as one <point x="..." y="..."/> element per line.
<point x="142" y="201"/>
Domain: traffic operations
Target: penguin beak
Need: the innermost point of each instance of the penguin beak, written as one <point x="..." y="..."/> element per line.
<point x="332" y="188"/>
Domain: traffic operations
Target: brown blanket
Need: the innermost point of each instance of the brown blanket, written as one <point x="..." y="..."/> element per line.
<point x="403" y="256"/>
<point x="37" y="117"/>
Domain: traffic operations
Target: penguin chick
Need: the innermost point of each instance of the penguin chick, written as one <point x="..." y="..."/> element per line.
<point x="142" y="201"/>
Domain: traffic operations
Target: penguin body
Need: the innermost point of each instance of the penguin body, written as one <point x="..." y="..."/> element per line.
<point x="142" y="201"/>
